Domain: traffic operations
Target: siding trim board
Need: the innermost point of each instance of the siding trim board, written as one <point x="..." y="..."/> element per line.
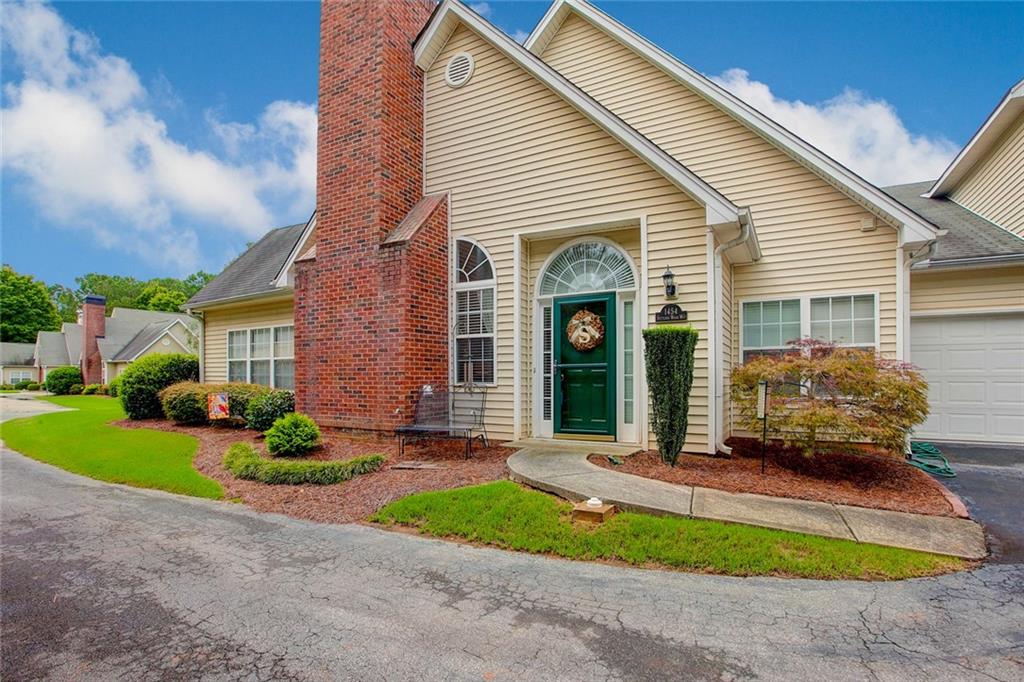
<point x="912" y="227"/>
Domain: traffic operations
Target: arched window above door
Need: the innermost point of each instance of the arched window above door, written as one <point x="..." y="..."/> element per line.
<point x="587" y="266"/>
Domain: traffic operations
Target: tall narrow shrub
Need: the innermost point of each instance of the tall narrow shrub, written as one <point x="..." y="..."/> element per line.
<point x="669" y="351"/>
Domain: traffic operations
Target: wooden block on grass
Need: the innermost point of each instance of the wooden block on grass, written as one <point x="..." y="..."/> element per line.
<point x="581" y="512"/>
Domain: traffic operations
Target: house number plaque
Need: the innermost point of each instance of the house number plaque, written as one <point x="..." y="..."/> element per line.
<point x="670" y="312"/>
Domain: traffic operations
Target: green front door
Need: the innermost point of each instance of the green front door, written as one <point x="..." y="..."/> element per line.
<point x="584" y="354"/>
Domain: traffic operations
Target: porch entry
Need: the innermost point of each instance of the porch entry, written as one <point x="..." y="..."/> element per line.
<point x="585" y="366"/>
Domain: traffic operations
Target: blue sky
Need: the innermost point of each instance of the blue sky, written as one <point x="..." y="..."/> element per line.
<point x="157" y="138"/>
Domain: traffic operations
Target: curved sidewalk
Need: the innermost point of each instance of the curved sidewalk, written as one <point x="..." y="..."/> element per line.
<point x="563" y="469"/>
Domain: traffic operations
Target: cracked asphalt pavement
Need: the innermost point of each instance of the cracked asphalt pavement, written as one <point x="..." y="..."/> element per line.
<point x="103" y="582"/>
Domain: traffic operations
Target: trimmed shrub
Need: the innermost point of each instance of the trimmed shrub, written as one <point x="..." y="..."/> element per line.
<point x="22" y="385"/>
<point x="142" y="381"/>
<point x="114" y="386"/>
<point x="76" y="389"/>
<point x="6" y="387"/>
<point x="244" y="462"/>
<point x="92" y="389"/>
<point x="264" y="410"/>
<point x="60" y="380"/>
<point x="33" y="387"/>
<point x="669" y="351"/>
<point x="849" y="396"/>
<point x="186" y="402"/>
<point x="293" y="434"/>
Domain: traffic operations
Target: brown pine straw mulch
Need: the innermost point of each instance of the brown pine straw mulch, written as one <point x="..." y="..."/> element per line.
<point x="867" y="479"/>
<point x="350" y="501"/>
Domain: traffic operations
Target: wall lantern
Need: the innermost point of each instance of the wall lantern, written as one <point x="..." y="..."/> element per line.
<point x="670" y="283"/>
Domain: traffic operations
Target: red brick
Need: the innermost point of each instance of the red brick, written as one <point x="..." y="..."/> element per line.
<point x="371" y="321"/>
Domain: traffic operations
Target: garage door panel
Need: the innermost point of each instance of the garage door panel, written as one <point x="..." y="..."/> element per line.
<point x="974" y="365"/>
<point x="1007" y="393"/>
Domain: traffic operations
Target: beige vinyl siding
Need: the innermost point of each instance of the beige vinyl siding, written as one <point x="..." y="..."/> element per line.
<point x="11" y="369"/>
<point x="517" y="157"/>
<point x="727" y="343"/>
<point x="969" y="289"/>
<point x="241" y="316"/>
<point x="995" y="187"/>
<point x="809" y="231"/>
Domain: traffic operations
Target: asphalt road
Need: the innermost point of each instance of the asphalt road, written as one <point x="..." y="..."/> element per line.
<point x="102" y="582"/>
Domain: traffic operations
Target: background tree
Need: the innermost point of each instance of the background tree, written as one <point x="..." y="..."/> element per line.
<point x="25" y="307"/>
<point x="67" y="302"/>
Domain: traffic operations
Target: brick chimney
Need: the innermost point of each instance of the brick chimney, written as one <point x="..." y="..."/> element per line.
<point x="94" y="326"/>
<point x="371" y="305"/>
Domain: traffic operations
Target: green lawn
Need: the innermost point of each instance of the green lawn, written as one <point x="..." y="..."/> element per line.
<point x="84" y="443"/>
<point x="508" y="516"/>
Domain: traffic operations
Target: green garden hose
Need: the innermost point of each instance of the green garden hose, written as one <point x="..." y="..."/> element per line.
<point x="929" y="459"/>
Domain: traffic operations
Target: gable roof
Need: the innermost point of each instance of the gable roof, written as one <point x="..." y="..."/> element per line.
<point x="14" y="354"/>
<point x="149" y="335"/>
<point x="253" y="273"/>
<point x="52" y="350"/>
<point x="916" y="227"/>
<point x="450" y="13"/>
<point x="969" y="238"/>
<point x="1001" y="118"/>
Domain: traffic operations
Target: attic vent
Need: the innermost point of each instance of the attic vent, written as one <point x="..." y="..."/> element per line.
<point x="459" y="70"/>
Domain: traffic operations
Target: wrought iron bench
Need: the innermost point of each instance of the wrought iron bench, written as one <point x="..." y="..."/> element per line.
<point x="454" y="413"/>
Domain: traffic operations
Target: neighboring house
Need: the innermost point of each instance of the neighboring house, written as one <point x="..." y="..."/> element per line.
<point x="489" y="193"/>
<point x="103" y="346"/>
<point x="17" y="362"/>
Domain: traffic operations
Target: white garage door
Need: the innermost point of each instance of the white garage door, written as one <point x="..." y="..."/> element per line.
<point x="975" y="370"/>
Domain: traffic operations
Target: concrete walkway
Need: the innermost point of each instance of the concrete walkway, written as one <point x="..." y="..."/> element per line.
<point x="563" y="469"/>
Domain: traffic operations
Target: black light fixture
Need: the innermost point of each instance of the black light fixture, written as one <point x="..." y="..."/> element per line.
<point x="670" y="282"/>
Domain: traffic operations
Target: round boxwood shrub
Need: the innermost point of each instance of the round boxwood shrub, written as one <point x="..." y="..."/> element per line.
<point x="33" y="387"/>
<point x="142" y="381"/>
<point x="91" y="389"/>
<point x="76" y="389"/>
<point x="264" y="410"/>
<point x="669" y="359"/>
<point x="60" y="380"/>
<point x="114" y="386"/>
<point x="22" y="385"/>
<point x="293" y="434"/>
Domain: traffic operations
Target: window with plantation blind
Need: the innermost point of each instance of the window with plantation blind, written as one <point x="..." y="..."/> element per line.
<point x="474" y="314"/>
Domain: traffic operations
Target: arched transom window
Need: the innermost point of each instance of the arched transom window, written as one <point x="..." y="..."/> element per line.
<point x="587" y="266"/>
<point x="474" y="314"/>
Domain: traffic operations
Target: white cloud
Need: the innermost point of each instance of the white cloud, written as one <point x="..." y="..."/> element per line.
<point x="520" y="36"/>
<point x="81" y="138"/>
<point x="481" y="8"/>
<point x="864" y="134"/>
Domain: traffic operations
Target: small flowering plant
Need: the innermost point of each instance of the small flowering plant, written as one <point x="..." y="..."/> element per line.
<point x="823" y="396"/>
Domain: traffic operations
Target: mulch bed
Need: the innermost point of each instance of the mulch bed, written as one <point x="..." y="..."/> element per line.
<point x="868" y="479"/>
<point x="350" y="501"/>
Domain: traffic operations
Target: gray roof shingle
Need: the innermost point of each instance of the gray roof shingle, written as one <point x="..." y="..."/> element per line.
<point x="52" y="350"/>
<point x="15" y="354"/>
<point x="969" y="236"/>
<point x="254" y="271"/>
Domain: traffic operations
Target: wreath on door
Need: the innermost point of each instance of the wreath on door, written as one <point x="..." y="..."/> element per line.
<point x="585" y="331"/>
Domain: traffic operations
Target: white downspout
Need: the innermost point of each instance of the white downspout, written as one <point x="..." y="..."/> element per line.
<point x="201" y="317"/>
<point x="717" y="347"/>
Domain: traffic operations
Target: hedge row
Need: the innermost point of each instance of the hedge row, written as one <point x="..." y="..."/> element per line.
<point x="244" y="462"/>
<point x="186" y="402"/>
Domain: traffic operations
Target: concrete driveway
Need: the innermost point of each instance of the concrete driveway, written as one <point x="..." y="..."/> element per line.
<point x="103" y="582"/>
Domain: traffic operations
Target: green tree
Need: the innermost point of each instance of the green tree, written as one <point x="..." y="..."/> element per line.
<point x="25" y="307"/>
<point x="67" y="302"/>
<point x="120" y="291"/>
<point x="169" y="301"/>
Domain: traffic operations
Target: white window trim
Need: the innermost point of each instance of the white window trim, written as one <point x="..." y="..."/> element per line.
<point x="805" y="316"/>
<point x="458" y="286"/>
<point x="248" y="352"/>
